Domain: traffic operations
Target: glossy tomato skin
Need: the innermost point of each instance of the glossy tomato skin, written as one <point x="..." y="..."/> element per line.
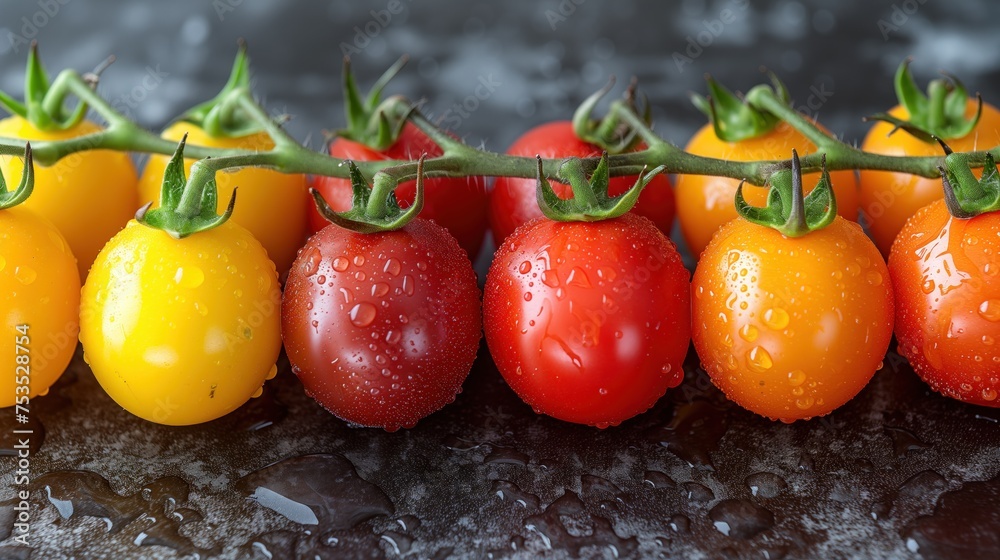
<point x="888" y="199"/>
<point x="588" y="322"/>
<point x="39" y="289"/>
<point x="946" y="274"/>
<point x="457" y="203"/>
<point x="705" y="203"/>
<point x="382" y="328"/>
<point x="791" y="328"/>
<point x="181" y="331"/>
<point x="89" y="196"/>
<point x="513" y="201"/>
<point x="269" y="204"/>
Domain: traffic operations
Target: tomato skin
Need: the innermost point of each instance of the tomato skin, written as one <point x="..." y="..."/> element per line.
<point x="181" y="331"/>
<point x="705" y="203"/>
<point x="945" y="274"/>
<point x="457" y="203"/>
<point x="513" y="201"/>
<point x="382" y="328"/>
<point x="89" y="196"/>
<point x="588" y="322"/>
<point x="269" y="204"/>
<point x="888" y="199"/>
<point x="791" y="328"/>
<point x="40" y="288"/>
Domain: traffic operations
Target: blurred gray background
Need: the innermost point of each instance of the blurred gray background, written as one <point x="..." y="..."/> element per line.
<point x="491" y="70"/>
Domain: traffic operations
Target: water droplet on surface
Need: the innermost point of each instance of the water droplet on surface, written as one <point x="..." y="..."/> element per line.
<point x="363" y="314"/>
<point x="928" y="286"/>
<point x="749" y="332"/>
<point x="741" y="519"/>
<point x="578" y="277"/>
<point x="796" y="378"/>
<point x="776" y="318"/>
<point x="25" y="275"/>
<point x="990" y="310"/>
<point x="759" y="360"/>
<point x="550" y="278"/>
<point x="380" y="289"/>
<point x="359" y="260"/>
<point x="873" y="278"/>
<point x="765" y="484"/>
<point x="525" y="267"/>
<point x="392" y="267"/>
<point x="408" y="285"/>
<point x="527" y="296"/>
<point x="340" y="264"/>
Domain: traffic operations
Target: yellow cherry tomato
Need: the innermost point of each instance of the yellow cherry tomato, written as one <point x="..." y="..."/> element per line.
<point x="40" y="302"/>
<point x="181" y="331"/>
<point x="88" y="195"/>
<point x="270" y="204"/>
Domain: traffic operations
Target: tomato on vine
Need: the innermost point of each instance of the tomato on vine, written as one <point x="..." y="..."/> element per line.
<point x="945" y="268"/>
<point x="889" y="198"/>
<point x="738" y="132"/>
<point x="39" y="295"/>
<point x="793" y="307"/>
<point x="588" y="321"/>
<point x="381" y="324"/>
<point x="88" y="196"/>
<point x="180" y="314"/>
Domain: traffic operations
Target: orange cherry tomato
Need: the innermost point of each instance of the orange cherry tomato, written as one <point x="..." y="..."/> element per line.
<point x="791" y="328"/>
<point x="705" y="203"/>
<point x="888" y="199"/>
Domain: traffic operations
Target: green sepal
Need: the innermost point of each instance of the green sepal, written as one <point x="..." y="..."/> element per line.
<point x="733" y="118"/>
<point x="965" y="195"/>
<point x="219" y="117"/>
<point x="788" y="210"/>
<point x="367" y="214"/>
<point x="9" y="199"/>
<point x="940" y="113"/>
<point x="370" y="121"/>
<point x="170" y="216"/>
<point x="33" y="109"/>
<point x="590" y="201"/>
<point x="610" y="134"/>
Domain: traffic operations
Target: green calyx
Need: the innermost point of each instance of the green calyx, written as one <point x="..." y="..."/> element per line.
<point x="221" y="116"/>
<point x="185" y="208"/>
<point x="940" y="113"/>
<point x="34" y="109"/>
<point x="964" y="194"/>
<point x="374" y="207"/>
<point x="590" y="201"/>
<point x="9" y="199"/>
<point x="373" y="122"/>
<point x="734" y="119"/>
<point x="788" y="210"/>
<point x="611" y="134"/>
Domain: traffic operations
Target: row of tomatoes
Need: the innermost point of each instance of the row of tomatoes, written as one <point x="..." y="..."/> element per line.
<point x="587" y="322"/>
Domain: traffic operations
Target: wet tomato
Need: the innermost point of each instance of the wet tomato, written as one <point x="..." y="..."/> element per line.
<point x="946" y="274"/>
<point x="791" y="328"/>
<point x="512" y="201"/>
<point x="588" y="322"/>
<point x="705" y="202"/>
<point x="457" y="203"/>
<point x="382" y="328"/>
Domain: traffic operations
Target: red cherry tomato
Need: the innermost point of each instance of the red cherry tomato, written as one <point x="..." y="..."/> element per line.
<point x="588" y="322"/>
<point x="513" y="201"/>
<point x="458" y="204"/>
<point x="382" y="328"/>
<point x="946" y="274"/>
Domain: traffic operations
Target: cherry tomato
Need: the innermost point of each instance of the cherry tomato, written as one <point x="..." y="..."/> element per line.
<point x="181" y="331"/>
<point x="270" y="204"/>
<point x="588" y="322"/>
<point x="512" y="201"/>
<point x="791" y="328"/>
<point x="946" y="274"/>
<point x="458" y="204"/>
<point x="705" y="203"/>
<point x="89" y="196"/>
<point x="888" y="199"/>
<point x="382" y="328"/>
<point x="40" y="298"/>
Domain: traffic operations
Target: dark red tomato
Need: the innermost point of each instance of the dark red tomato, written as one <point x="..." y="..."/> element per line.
<point x="457" y="203"/>
<point x="513" y="201"/>
<point x="588" y="322"/>
<point x="382" y="328"/>
<point x="946" y="275"/>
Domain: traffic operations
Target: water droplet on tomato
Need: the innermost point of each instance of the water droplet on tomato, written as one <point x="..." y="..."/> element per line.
<point x="201" y="308"/>
<point x="928" y="285"/>
<point x="796" y="378"/>
<point x="380" y="289"/>
<point x="527" y="296"/>
<point x="525" y="267"/>
<point x="988" y="340"/>
<point x="990" y="310"/>
<point x="577" y="277"/>
<point x="359" y="260"/>
<point x="602" y="391"/>
<point x="272" y="372"/>
<point x="321" y="279"/>
<point x="392" y="337"/>
<point x="25" y="274"/>
<point x="874" y="278"/>
<point x="989" y="394"/>
<point x="3" y="262"/>
<point x="749" y="332"/>
<point x="257" y="393"/>
<point x="759" y="360"/>
<point x="550" y="278"/>
<point x="776" y="318"/>
<point x="362" y="314"/>
<point x="340" y="264"/>
<point x="991" y="269"/>
<point x="310" y="261"/>
<point x="607" y="274"/>
<point x="408" y="285"/>
<point x="421" y="265"/>
<point x="805" y="403"/>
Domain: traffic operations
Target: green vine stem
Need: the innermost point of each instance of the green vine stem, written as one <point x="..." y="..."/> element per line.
<point x="458" y="159"/>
